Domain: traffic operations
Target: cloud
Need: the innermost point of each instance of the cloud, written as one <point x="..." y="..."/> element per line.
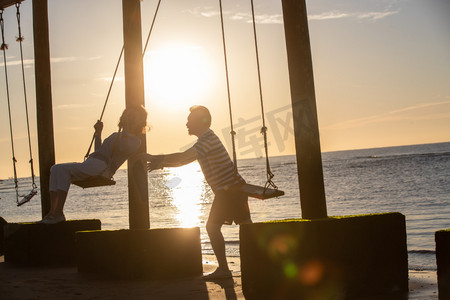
<point x="376" y="15"/>
<point x="72" y="59"/>
<point x="26" y="62"/>
<point x="424" y="111"/>
<point x="73" y="106"/>
<point x="211" y="12"/>
<point x="74" y="128"/>
<point x="260" y="19"/>
<point x="109" y="79"/>
<point x="329" y="16"/>
<point x="208" y="12"/>
<point x="62" y="59"/>
<point x="53" y="60"/>
<point x="373" y="16"/>
<point x="245" y="17"/>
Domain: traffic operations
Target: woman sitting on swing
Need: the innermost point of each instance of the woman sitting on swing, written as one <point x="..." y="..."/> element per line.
<point x="105" y="161"/>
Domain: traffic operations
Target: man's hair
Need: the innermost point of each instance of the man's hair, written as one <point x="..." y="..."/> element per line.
<point x="202" y="113"/>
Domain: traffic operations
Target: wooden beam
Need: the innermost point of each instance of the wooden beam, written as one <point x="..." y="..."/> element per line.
<point x="306" y="128"/>
<point x="44" y="114"/>
<point x="134" y="96"/>
<point x="6" y="3"/>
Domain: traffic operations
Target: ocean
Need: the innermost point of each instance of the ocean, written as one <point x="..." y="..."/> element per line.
<point x="412" y="180"/>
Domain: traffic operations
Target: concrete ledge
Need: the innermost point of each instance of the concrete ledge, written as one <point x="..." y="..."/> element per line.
<point x="33" y="244"/>
<point x="135" y="254"/>
<point x="442" y="239"/>
<point x="332" y="258"/>
<point x="2" y="241"/>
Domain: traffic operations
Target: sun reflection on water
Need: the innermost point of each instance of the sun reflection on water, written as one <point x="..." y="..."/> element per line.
<point x="187" y="189"/>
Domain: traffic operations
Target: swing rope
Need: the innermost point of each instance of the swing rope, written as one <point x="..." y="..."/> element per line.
<point x="232" y="132"/>
<point x="106" y="102"/>
<point x="269" y="175"/>
<point x="20" y="39"/>
<point x="4" y="47"/>
<point x="115" y="73"/>
<point x="269" y="182"/>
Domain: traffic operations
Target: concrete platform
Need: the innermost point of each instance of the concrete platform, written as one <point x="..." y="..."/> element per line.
<point x="332" y="258"/>
<point x="442" y="238"/>
<point x="33" y="244"/>
<point x="2" y="241"/>
<point x="135" y="254"/>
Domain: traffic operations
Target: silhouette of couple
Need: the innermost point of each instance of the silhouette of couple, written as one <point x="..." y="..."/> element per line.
<point x="229" y="205"/>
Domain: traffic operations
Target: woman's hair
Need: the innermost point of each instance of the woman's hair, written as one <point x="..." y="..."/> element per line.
<point x="134" y="120"/>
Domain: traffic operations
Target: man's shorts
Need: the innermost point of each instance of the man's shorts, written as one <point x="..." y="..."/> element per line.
<point x="229" y="206"/>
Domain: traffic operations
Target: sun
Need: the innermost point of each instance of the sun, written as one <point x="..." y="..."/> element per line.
<point x="175" y="75"/>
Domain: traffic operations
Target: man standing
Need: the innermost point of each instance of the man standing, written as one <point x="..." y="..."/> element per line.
<point x="229" y="205"/>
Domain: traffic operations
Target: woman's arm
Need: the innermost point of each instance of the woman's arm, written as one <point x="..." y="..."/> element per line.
<point x="98" y="135"/>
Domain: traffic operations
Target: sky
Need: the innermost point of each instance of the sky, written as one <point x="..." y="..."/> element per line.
<point x="381" y="74"/>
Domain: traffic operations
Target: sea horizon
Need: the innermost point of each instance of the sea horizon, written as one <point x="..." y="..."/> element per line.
<point x="286" y="155"/>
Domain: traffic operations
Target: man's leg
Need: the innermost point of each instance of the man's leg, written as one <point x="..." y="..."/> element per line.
<point x="218" y="244"/>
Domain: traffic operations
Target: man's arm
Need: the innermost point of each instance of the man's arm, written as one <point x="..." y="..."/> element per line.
<point x="169" y="160"/>
<point x="179" y="159"/>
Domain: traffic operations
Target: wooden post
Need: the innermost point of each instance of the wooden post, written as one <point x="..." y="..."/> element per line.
<point x="306" y="129"/>
<point x="134" y="96"/>
<point x="44" y="113"/>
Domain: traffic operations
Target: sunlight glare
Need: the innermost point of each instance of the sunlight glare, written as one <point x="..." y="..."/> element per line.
<point x="187" y="194"/>
<point x="177" y="74"/>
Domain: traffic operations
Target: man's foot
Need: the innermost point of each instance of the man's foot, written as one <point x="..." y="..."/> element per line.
<point x="53" y="219"/>
<point x="218" y="274"/>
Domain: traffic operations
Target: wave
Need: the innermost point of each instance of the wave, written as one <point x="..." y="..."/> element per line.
<point x="228" y="242"/>
<point x="422" y="251"/>
<point x="405" y="155"/>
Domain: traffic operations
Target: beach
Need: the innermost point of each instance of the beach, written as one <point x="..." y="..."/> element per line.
<point x="66" y="283"/>
<point x="357" y="182"/>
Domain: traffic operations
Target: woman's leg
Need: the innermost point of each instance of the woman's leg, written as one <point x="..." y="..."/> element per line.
<point x="59" y="185"/>
<point x="53" y="203"/>
<point x="62" y="175"/>
<point x="61" y="196"/>
<point x="56" y="214"/>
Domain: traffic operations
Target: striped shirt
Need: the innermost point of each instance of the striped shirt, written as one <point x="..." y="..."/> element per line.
<point x="215" y="162"/>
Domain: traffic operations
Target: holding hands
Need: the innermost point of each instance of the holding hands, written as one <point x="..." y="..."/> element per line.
<point x="154" y="162"/>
